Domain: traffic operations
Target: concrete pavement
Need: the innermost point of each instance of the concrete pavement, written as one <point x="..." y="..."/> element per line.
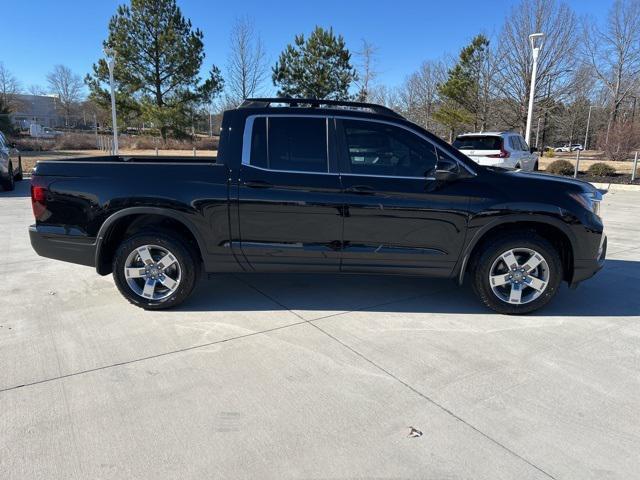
<point x="300" y="376"/>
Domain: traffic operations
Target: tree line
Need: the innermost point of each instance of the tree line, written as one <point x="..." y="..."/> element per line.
<point x="589" y="71"/>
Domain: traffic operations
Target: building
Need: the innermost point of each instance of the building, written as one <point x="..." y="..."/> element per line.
<point x="36" y="109"/>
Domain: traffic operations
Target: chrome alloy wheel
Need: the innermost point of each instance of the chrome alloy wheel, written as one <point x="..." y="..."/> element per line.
<point x="152" y="272"/>
<point x="519" y="276"/>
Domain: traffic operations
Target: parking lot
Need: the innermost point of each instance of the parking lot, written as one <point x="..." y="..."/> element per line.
<point x="300" y="376"/>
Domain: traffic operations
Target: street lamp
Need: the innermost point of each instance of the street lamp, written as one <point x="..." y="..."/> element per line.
<point x="586" y="135"/>
<point x="110" y="54"/>
<point x="536" y="40"/>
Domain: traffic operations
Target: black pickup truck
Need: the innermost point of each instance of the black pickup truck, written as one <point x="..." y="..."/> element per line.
<point x="318" y="186"/>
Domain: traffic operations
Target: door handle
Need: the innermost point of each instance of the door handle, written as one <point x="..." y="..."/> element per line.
<point x="360" y="189"/>
<point x="258" y="184"/>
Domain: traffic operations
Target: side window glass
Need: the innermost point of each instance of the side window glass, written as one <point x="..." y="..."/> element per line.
<point x="289" y="143"/>
<point x="297" y="143"/>
<point x="381" y="149"/>
<point x="513" y="144"/>
<point x="259" y="143"/>
<point x="525" y="147"/>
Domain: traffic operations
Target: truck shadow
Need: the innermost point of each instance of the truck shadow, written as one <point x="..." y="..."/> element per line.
<point x="23" y="189"/>
<point x="612" y="292"/>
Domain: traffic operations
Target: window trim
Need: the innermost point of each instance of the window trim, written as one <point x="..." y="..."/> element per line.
<point x="248" y="133"/>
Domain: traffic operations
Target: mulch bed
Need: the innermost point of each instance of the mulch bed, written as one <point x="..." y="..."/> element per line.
<point x="620" y="178"/>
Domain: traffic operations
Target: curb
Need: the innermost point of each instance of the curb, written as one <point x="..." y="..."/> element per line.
<point x="617" y="187"/>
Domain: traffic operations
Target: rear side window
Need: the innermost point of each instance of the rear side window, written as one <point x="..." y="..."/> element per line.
<point x="290" y="143"/>
<point x="478" y="143"/>
<point x="382" y="149"/>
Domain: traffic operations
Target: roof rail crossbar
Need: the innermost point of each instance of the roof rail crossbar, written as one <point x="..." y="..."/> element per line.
<point x="317" y="103"/>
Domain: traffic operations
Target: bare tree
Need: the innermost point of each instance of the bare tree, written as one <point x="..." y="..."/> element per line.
<point x="247" y="64"/>
<point x="9" y="86"/>
<point x="557" y="58"/>
<point x="419" y="93"/>
<point x="67" y="86"/>
<point x="613" y="53"/>
<point x="367" y="72"/>
<point x="36" y="90"/>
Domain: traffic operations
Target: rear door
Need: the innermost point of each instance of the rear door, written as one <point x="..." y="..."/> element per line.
<point x="290" y="201"/>
<point x="398" y="218"/>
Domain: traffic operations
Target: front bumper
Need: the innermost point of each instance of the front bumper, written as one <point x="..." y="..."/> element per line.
<point x="585" y="269"/>
<point x="57" y="243"/>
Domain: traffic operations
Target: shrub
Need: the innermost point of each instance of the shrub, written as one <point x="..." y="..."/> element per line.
<point x="549" y="153"/>
<point x="601" y="169"/>
<point x="29" y="144"/>
<point x="623" y="139"/>
<point x="560" y="167"/>
<point x="76" y="141"/>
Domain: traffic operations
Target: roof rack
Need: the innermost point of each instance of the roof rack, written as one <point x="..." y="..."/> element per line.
<point x="317" y="103"/>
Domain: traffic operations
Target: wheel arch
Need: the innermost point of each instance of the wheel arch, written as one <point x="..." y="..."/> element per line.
<point x="550" y="228"/>
<point x="117" y="227"/>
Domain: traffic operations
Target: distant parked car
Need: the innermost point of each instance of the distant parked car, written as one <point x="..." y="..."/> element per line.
<point x="569" y="148"/>
<point x="10" y="164"/>
<point x="498" y="149"/>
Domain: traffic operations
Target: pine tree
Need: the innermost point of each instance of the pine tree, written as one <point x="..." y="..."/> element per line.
<point x="461" y="92"/>
<point x="318" y="67"/>
<point x="159" y="56"/>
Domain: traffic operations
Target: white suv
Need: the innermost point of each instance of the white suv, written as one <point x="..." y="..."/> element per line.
<point x="498" y="149"/>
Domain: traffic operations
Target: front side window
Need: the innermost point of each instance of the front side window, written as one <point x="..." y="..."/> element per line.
<point x="382" y="149"/>
<point x="289" y="143"/>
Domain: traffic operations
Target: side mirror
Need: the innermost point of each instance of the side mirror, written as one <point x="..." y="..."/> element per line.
<point x="532" y="149"/>
<point x="446" y="175"/>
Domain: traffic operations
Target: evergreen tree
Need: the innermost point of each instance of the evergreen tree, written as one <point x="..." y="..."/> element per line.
<point x="159" y="56"/>
<point x="318" y="67"/>
<point x="461" y="92"/>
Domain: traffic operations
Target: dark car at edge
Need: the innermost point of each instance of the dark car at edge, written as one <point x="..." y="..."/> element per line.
<point x="323" y="187"/>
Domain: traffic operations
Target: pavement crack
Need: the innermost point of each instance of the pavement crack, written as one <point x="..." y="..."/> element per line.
<point x="435" y="403"/>
<point x="149" y="357"/>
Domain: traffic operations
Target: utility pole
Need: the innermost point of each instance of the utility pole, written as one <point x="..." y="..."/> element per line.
<point x="111" y="61"/>
<point x="536" y="40"/>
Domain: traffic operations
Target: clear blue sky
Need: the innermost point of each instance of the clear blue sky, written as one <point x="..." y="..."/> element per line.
<point x="37" y="34"/>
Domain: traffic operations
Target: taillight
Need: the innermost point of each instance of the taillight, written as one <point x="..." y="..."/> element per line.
<point x="503" y="154"/>
<point x="38" y="201"/>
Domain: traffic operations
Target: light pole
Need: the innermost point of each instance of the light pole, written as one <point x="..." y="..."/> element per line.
<point x="536" y="40"/>
<point x="586" y="135"/>
<point x="110" y="53"/>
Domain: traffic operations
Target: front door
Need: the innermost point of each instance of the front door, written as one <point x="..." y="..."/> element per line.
<point x="398" y="218"/>
<point x="290" y="201"/>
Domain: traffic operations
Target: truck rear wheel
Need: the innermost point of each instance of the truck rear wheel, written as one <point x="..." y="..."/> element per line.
<point x="517" y="274"/>
<point x="155" y="270"/>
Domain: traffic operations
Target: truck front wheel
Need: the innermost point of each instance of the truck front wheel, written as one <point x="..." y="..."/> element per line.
<point x="518" y="273"/>
<point x="155" y="270"/>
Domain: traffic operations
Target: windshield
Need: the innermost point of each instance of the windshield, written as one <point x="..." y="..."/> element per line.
<point x="478" y="143"/>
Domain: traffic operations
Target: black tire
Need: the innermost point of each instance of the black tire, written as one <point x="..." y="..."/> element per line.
<point x="492" y="250"/>
<point x="185" y="255"/>
<point x="9" y="183"/>
<point x="20" y="174"/>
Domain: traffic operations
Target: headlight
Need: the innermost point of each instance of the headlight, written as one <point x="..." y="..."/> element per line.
<point x="589" y="200"/>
